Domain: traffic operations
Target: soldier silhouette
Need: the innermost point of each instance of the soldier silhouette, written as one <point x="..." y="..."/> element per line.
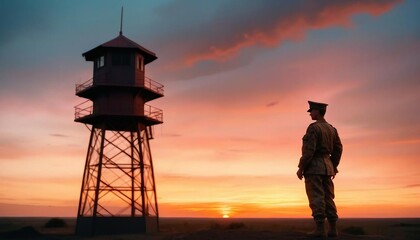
<point x="321" y="154"/>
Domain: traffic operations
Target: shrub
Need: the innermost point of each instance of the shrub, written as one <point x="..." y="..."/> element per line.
<point x="23" y="233"/>
<point x="237" y="225"/>
<point x="216" y="226"/>
<point x="55" y="223"/>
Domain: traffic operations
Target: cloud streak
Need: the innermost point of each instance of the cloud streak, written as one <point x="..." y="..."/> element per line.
<point x="236" y="27"/>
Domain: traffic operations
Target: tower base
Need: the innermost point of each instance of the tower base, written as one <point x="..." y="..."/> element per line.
<point x="88" y="226"/>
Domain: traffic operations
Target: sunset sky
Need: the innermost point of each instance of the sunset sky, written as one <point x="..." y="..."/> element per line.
<point x="237" y="77"/>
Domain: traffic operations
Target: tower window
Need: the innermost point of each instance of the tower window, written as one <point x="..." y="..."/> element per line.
<point x="100" y="61"/>
<point x="140" y="63"/>
<point x="120" y="59"/>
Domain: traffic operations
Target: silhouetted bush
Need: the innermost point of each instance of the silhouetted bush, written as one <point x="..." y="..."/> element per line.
<point x="237" y="225"/>
<point x="23" y="233"/>
<point x="216" y="226"/>
<point x="231" y="226"/>
<point x="354" y="230"/>
<point x="55" y="223"/>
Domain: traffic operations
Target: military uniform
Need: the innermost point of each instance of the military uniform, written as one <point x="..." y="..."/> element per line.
<point x="321" y="154"/>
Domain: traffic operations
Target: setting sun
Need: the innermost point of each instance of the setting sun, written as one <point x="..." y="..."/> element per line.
<point x="226" y="216"/>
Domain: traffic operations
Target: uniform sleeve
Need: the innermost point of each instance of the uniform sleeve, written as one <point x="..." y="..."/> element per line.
<point x="337" y="151"/>
<point x="308" y="147"/>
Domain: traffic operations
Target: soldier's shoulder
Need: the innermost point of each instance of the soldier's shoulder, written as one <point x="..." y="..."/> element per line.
<point x="312" y="124"/>
<point x="332" y="126"/>
<point x="312" y="127"/>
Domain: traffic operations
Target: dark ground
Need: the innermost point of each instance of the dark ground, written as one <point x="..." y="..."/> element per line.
<point x="223" y="229"/>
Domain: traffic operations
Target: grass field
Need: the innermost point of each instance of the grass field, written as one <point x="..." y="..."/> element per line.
<point x="208" y="228"/>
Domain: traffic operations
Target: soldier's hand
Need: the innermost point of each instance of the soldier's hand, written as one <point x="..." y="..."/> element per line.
<point x="299" y="173"/>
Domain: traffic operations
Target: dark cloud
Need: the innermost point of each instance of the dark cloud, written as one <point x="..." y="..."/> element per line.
<point x="272" y="104"/>
<point x="58" y="135"/>
<point x="228" y="28"/>
<point x="172" y="135"/>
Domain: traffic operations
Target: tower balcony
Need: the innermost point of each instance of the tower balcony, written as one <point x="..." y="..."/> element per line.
<point x="152" y="89"/>
<point x="83" y="109"/>
<point x="84" y="113"/>
<point x="82" y="86"/>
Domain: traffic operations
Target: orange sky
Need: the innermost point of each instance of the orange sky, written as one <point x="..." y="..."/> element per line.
<point x="234" y="107"/>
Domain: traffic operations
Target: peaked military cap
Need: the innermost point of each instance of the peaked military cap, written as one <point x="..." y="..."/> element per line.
<point x="317" y="105"/>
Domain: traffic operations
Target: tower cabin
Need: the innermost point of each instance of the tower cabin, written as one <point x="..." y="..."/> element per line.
<point x="118" y="91"/>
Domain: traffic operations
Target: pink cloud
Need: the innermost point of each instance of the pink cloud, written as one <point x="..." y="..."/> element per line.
<point x="290" y="27"/>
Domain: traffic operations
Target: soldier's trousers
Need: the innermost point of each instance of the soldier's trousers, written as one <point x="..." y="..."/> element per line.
<point x="320" y="192"/>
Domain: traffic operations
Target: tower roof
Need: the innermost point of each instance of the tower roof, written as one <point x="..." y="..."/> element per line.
<point x="120" y="42"/>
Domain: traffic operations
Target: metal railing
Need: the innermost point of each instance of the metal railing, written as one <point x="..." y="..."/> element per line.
<point x="83" y="109"/>
<point x="153" y="112"/>
<point x="83" y="86"/>
<point x="86" y="108"/>
<point x="148" y="84"/>
<point x="153" y="85"/>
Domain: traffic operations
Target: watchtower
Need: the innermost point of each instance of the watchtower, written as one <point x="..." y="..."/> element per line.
<point x="118" y="193"/>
